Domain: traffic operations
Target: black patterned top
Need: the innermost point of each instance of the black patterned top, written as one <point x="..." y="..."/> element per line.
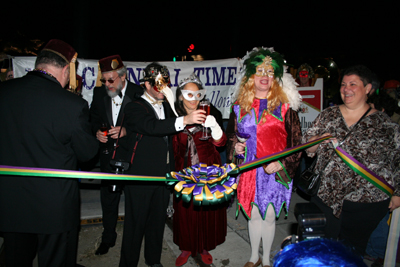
<point x="375" y="142"/>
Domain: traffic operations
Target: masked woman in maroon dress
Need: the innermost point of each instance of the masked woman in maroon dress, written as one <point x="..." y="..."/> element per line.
<point x="197" y="229"/>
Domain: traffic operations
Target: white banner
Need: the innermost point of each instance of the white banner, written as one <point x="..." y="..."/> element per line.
<point x="311" y="105"/>
<point x="217" y="76"/>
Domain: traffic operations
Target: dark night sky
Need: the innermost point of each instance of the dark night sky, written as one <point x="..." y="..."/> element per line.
<point x="304" y="31"/>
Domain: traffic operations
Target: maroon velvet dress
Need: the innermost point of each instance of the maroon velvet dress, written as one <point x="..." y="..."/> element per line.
<point x="197" y="227"/>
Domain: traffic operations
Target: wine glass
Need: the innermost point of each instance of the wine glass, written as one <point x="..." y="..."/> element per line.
<point x="205" y="105"/>
<point x="242" y="137"/>
<point x="104" y="129"/>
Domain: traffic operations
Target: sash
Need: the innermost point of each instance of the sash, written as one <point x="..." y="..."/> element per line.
<point x="364" y="172"/>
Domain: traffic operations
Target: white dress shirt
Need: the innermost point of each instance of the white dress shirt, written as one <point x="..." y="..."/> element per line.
<point x="159" y="109"/>
<point x="116" y="103"/>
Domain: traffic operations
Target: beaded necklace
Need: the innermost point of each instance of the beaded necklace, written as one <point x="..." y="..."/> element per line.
<point x="45" y="72"/>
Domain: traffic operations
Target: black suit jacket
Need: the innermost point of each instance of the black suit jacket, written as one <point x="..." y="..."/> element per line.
<point x="156" y="141"/>
<point x="44" y="126"/>
<point x="101" y="111"/>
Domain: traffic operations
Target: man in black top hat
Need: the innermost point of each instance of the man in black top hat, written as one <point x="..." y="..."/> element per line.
<point x="45" y="126"/>
<point x="150" y="125"/>
<point x="109" y="100"/>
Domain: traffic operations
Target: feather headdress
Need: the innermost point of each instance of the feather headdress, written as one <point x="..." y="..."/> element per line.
<point x="256" y="57"/>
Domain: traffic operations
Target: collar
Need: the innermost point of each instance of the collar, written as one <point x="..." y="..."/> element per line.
<point x="45" y="74"/>
<point x="124" y="89"/>
<point x="151" y="100"/>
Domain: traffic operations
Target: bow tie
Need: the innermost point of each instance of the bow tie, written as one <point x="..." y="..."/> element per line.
<point x="157" y="102"/>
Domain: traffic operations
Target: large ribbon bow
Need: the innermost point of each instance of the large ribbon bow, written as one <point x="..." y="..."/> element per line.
<point x="208" y="185"/>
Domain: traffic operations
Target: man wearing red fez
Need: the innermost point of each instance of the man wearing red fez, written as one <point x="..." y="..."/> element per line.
<point x="107" y="106"/>
<point x="45" y="126"/>
<point x="150" y="124"/>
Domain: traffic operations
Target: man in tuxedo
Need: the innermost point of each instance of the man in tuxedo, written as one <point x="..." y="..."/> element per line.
<point x="150" y="125"/>
<point x="45" y="126"/>
<point x="108" y="103"/>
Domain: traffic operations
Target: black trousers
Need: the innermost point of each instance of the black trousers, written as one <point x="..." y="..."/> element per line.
<point x="356" y="223"/>
<point x="145" y="215"/>
<point x="53" y="250"/>
<point x="109" y="207"/>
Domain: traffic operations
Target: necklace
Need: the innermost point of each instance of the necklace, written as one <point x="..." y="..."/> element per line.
<point x="115" y="103"/>
<point x="45" y="72"/>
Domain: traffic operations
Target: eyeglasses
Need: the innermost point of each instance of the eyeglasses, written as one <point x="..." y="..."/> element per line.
<point x="103" y="81"/>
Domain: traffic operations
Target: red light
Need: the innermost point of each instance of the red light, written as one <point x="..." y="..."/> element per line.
<point x="191" y="47"/>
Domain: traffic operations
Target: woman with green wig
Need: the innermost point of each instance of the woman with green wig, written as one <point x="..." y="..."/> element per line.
<point x="265" y="109"/>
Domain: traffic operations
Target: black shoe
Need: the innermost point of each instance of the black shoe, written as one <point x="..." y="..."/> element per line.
<point x="154" y="265"/>
<point x="103" y="249"/>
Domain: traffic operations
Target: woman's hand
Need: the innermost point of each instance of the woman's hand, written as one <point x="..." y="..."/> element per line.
<point x="195" y="117"/>
<point x="216" y="131"/>
<point x="240" y="148"/>
<point x="273" y="167"/>
<point x="394" y="203"/>
<point x="313" y="149"/>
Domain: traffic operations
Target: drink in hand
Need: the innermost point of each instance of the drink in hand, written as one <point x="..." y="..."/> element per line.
<point x="104" y="129"/>
<point x="205" y="105"/>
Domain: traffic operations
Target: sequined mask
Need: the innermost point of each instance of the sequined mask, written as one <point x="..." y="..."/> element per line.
<point x="265" y="69"/>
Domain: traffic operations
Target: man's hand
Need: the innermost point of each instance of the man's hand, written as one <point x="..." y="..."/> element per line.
<point x="101" y="137"/>
<point x="114" y="131"/>
<point x="196" y="117"/>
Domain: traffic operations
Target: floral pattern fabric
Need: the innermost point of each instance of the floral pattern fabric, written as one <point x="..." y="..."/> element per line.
<point x="375" y="142"/>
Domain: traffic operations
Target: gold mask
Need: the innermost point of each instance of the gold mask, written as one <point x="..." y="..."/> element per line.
<point x="265" y="68"/>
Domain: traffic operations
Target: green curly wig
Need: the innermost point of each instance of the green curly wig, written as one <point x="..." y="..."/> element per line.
<point x="257" y="57"/>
